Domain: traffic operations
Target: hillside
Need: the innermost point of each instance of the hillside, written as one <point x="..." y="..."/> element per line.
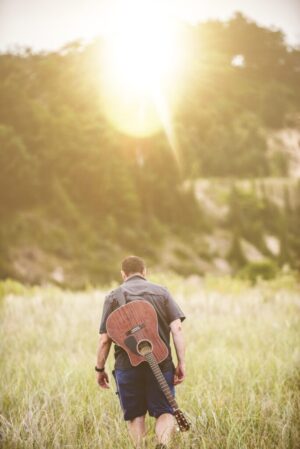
<point x="76" y="195"/>
<point x="77" y="258"/>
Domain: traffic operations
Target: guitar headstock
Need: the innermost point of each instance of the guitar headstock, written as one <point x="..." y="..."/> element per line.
<point x="182" y="422"/>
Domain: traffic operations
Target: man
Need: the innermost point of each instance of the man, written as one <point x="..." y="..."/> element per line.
<point x="137" y="387"/>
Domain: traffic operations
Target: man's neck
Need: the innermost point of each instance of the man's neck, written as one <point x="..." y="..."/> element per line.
<point x="135" y="274"/>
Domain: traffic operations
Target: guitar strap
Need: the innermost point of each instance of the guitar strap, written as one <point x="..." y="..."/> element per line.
<point x="120" y="297"/>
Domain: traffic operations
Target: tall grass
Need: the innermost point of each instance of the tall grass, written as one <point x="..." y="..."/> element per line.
<point x="243" y="358"/>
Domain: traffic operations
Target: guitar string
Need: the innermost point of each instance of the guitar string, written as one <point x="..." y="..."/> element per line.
<point x="182" y="421"/>
<point x="161" y="379"/>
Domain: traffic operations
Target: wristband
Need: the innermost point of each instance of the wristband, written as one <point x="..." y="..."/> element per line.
<point x="99" y="370"/>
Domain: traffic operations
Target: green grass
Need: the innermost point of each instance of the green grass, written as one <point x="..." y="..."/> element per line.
<point x="243" y="358"/>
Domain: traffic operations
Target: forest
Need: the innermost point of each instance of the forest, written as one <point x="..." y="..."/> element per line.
<point x="76" y="195"/>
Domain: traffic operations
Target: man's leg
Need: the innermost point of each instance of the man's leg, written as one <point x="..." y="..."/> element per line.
<point x="137" y="430"/>
<point x="159" y="407"/>
<point x="131" y="389"/>
<point x="165" y="425"/>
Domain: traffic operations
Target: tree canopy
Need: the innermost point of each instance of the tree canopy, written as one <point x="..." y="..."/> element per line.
<point x="59" y="154"/>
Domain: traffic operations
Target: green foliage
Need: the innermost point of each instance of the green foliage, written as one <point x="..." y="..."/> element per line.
<point x="246" y="214"/>
<point x="17" y="170"/>
<point x="12" y="287"/>
<point x="252" y="215"/>
<point x="110" y="193"/>
<point x="266" y="269"/>
<point x="275" y="104"/>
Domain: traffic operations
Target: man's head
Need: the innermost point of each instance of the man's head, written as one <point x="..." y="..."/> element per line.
<point x="133" y="265"/>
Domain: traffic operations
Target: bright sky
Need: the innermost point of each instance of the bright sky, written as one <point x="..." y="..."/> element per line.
<point x="49" y="24"/>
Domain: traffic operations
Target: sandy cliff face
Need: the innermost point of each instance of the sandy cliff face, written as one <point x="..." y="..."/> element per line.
<point x="287" y="142"/>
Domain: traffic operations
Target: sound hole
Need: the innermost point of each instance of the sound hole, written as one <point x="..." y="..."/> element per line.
<point x="144" y="347"/>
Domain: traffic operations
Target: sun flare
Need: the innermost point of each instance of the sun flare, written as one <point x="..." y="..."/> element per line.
<point x="141" y="60"/>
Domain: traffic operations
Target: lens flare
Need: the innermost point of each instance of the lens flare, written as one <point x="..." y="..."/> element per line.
<point x="141" y="64"/>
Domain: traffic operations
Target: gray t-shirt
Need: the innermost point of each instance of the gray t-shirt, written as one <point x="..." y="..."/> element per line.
<point x="134" y="288"/>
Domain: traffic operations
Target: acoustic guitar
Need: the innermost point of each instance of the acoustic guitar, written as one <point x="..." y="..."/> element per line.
<point x="134" y="327"/>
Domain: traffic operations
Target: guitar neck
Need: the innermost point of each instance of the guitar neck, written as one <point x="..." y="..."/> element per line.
<point x="183" y="423"/>
<point x="161" y="379"/>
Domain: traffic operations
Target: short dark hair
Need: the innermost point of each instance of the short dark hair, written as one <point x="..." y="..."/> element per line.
<point x="133" y="264"/>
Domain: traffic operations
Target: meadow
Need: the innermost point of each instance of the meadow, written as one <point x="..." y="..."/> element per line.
<point x="242" y="389"/>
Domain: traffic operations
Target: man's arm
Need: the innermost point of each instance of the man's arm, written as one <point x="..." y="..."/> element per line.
<point x="102" y="354"/>
<point x="177" y="335"/>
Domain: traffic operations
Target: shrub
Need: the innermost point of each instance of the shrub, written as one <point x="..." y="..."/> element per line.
<point x="265" y="269"/>
<point x="10" y="286"/>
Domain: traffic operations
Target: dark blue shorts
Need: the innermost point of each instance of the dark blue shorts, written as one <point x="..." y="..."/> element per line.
<point x="140" y="392"/>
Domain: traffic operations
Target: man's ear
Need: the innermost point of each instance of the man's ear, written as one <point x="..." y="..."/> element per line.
<point x="144" y="272"/>
<point x="124" y="277"/>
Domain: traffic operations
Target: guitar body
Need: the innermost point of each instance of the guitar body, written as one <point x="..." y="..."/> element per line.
<point x="134" y="327"/>
<point x="133" y="323"/>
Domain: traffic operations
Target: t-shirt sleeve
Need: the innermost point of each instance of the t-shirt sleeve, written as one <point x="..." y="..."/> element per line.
<point x="107" y="309"/>
<point x="172" y="308"/>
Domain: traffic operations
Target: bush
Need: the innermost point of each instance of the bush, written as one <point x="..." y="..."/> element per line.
<point x="10" y="286"/>
<point x="265" y="269"/>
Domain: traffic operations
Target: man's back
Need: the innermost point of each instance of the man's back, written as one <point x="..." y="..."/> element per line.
<point x="137" y="288"/>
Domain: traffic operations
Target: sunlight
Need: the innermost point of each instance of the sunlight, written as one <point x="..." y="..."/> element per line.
<point x="142" y="57"/>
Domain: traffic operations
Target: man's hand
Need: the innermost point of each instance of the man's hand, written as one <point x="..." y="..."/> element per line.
<point x="102" y="353"/>
<point x="179" y="374"/>
<point x="177" y="335"/>
<point x="102" y="379"/>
